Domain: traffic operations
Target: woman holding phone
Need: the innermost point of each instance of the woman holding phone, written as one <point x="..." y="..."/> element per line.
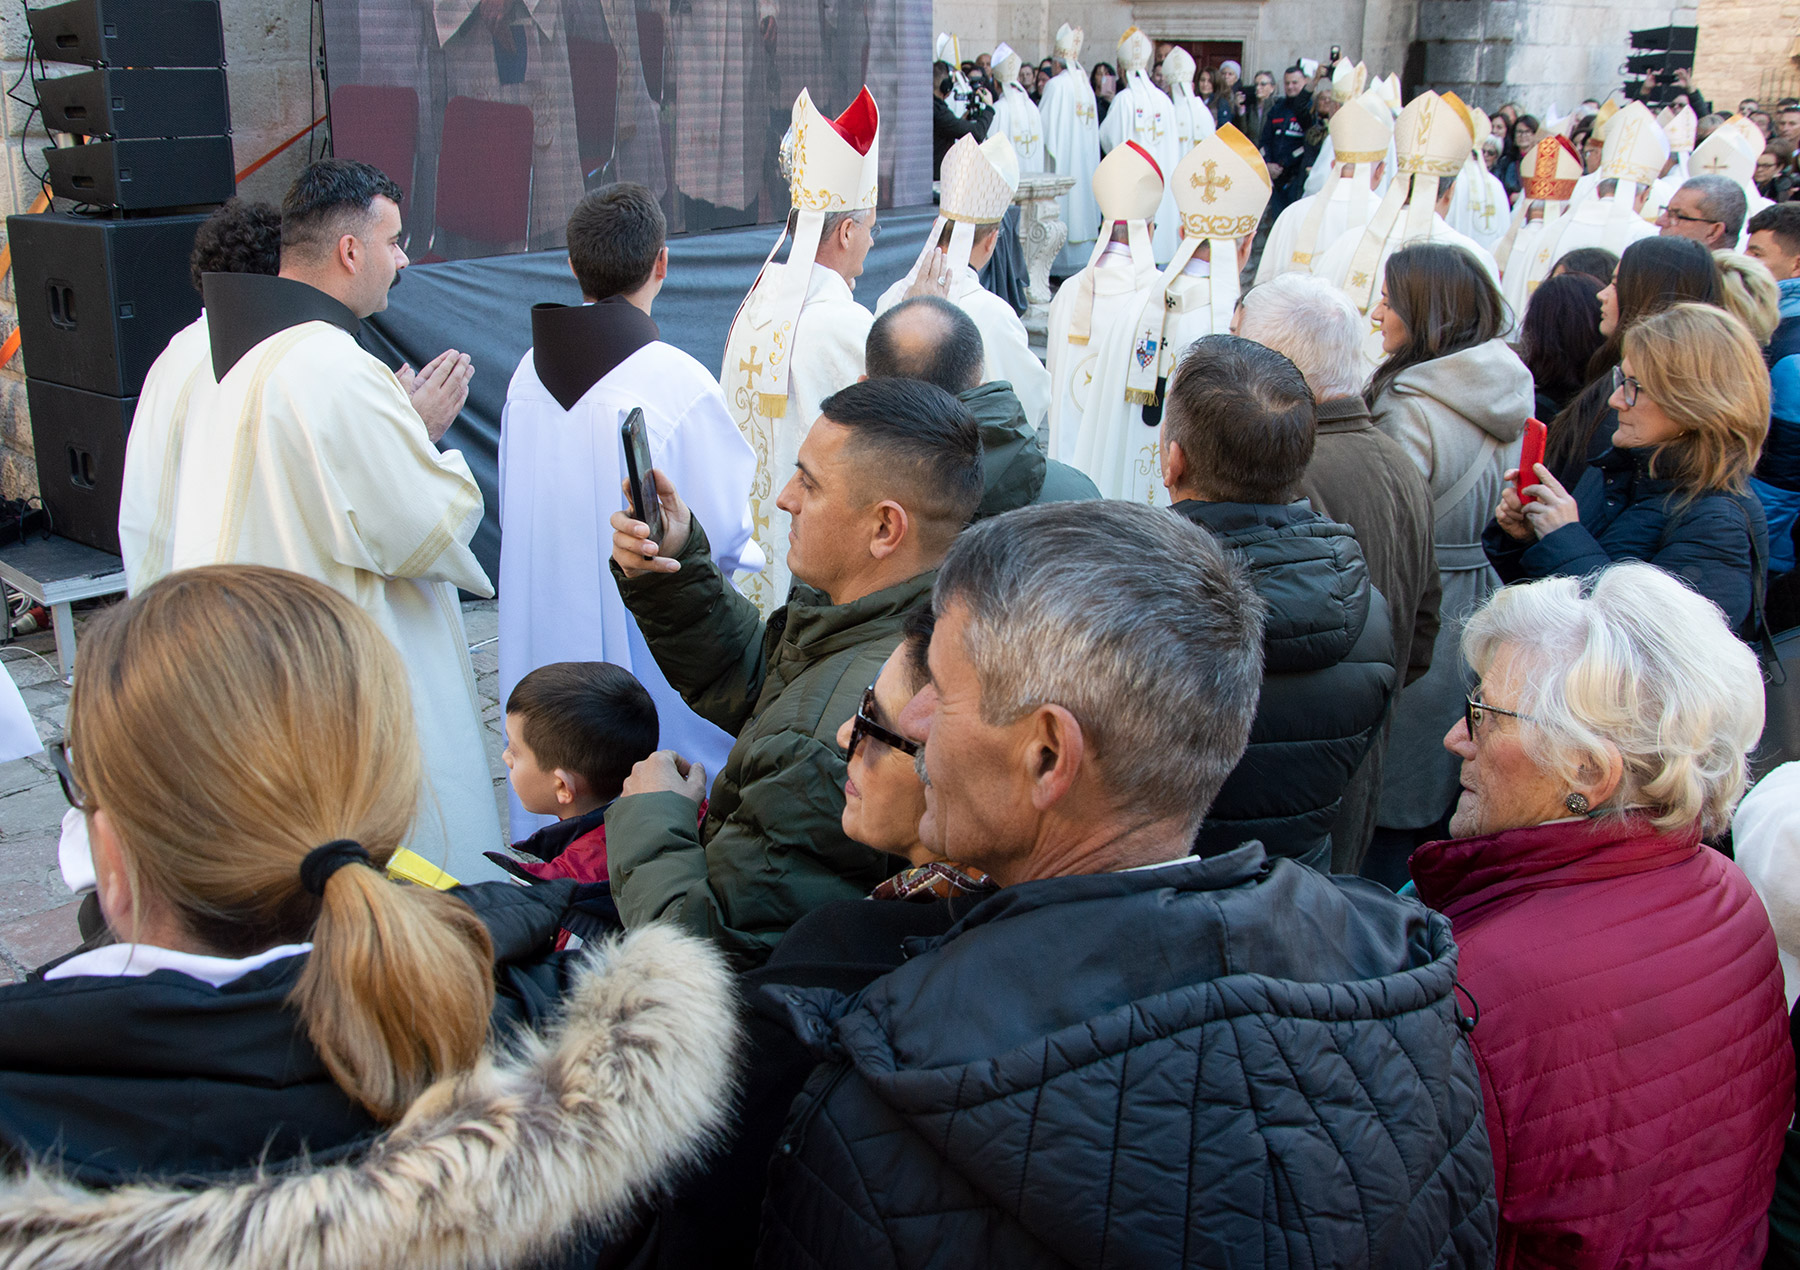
<point x="1692" y="398"/>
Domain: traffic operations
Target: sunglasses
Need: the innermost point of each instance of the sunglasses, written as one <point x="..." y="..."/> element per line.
<point x="863" y="726"/>
<point x="65" y="776"/>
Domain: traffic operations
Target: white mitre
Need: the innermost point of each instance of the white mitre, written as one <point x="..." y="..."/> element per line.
<point x="1389" y="89"/>
<point x="1221" y="188"/>
<point x="1729" y="152"/>
<point x="1681" y="126"/>
<point x="832" y="166"/>
<point x="1068" y="44"/>
<point x="1128" y="186"/>
<point x="1432" y="139"/>
<point x="978" y="186"/>
<point x="1177" y="68"/>
<point x="1004" y="63"/>
<point x="1360" y="132"/>
<point x="1348" y="82"/>
<point x="1135" y="51"/>
<point x="1635" y="153"/>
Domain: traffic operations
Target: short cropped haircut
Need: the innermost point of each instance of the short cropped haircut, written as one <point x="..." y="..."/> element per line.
<point x="939" y="344"/>
<point x="241" y="237"/>
<point x="1160" y="663"/>
<point x="588" y="717"/>
<point x="832" y="221"/>
<point x="1244" y="417"/>
<point x="916" y="444"/>
<point x="1312" y="324"/>
<point x="1722" y="200"/>
<point x="1783" y="221"/>
<point x="1633" y="657"/>
<point x="329" y="199"/>
<point x="615" y="235"/>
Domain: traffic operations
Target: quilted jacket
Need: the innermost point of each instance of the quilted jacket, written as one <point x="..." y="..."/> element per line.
<point x="1225" y="1061"/>
<point x="1633" y="1041"/>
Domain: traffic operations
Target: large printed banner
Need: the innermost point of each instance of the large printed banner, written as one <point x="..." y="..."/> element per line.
<point x="497" y="115"/>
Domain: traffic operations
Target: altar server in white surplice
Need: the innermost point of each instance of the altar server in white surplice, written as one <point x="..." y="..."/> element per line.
<point x="1143" y="113"/>
<point x="1016" y="116"/>
<point x="978" y="185"/>
<point x="1361" y="138"/>
<point x="1072" y="144"/>
<point x="1095" y="425"/>
<point x="1611" y="216"/>
<point x="1193" y="117"/>
<point x="241" y="237"/>
<point x="1432" y="139"/>
<point x="1221" y="188"/>
<point x="311" y="457"/>
<point x="1547" y="176"/>
<point x="798" y="336"/>
<point x="562" y="464"/>
<point x="1478" y="204"/>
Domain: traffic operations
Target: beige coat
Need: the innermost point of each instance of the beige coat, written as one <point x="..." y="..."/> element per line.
<point x="1459" y="419"/>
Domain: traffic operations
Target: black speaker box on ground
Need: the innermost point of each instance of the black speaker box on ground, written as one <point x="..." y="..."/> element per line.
<point x="144" y="175"/>
<point x="99" y="299"/>
<point x="80" y="442"/>
<point x="130" y="104"/>
<point x="130" y="32"/>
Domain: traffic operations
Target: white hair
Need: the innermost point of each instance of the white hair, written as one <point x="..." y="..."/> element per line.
<point x="1630" y="657"/>
<point x="1313" y="325"/>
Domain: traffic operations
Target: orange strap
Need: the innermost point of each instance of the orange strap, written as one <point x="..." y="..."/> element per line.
<point x="278" y="149"/>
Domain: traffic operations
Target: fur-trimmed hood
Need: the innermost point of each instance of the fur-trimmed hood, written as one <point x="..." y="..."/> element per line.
<point x="496" y="1168"/>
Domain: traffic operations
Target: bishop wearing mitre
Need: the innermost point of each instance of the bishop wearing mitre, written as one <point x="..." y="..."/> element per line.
<point x="1361" y="137"/>
<point x="1222" y="188"/>
<point x="1095" y="425"/>
<point x="1731" y="152"/>
<point x="1610" y="215"/>
<point x="978" y="186"/>
<point x="1348" y="83"/>
<point x="1143" y="113"/>
<point x="1072" y="144"/>
<point x="798" y="336"/>
<point x="1478" y="203"/>
<point x="1016" y="116"/>
<point x="1432" y="137"/>
<point x="1547" y="176"/>
<point x="1193" y="117"/>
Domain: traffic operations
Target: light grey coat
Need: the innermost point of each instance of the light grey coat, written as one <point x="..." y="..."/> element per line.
<point x="1459" y="418"/>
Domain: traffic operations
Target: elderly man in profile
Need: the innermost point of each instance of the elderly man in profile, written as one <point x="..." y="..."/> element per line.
<point x="1130" y="1055"/>
<point x="1708" y="209"/>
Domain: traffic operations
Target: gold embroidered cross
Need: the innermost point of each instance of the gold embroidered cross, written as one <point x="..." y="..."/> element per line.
<point x="750" y="364"/>
<point x="1212" y="183"/>
<point x="1714" y="165"/>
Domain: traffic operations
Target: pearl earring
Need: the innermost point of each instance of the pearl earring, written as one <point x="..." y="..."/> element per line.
<point x="1577" y="804"/>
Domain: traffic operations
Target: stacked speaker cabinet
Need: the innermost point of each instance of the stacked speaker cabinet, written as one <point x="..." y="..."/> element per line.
<point x="102" y="287"/>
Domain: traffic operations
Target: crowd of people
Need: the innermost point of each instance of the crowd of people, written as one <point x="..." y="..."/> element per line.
<point x="1198" y="798"/>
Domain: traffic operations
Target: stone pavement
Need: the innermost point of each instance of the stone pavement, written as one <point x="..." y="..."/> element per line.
<point x="37" y="912"/>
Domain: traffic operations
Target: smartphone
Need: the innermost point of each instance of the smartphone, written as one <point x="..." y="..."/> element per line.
<point x="1531" y="453"/>
<point x="1337" y="51"/>
<point x="644" y="503"/>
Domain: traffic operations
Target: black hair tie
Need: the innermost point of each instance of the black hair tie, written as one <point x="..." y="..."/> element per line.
<point x="321" y="862"/>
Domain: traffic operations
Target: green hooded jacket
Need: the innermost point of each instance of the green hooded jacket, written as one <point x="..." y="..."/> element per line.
<point x="772" y="847"/>
<point x="1014" y="471"/>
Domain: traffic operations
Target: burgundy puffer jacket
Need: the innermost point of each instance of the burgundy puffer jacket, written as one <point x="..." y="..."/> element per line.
<point x="1632" y="1040"/>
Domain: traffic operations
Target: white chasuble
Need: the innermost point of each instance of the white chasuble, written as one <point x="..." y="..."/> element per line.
<point x="561" y="473"/>
<point x="1093" y="428"/>
<point x="1019" y="117"/>
<point x="826" y="354"/>
<point x="1072" y="148"/>
<point x="1143" y="113"/>
<point x="1350" y="206"/>
<point x="1006" y="349"/>
<point x="311" y="458"/>
<point x="1193" y="119"/>
<point x="180" y="382"/>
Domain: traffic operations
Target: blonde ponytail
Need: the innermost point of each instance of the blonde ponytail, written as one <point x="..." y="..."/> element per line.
<point x="231" y="719"/>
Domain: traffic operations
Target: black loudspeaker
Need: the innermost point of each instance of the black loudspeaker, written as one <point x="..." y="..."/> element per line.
<point x="99" y="299"/>
<point x="80" y="442"/>
<point x="144" y="175"/>
<point x="130" y="104"/>
<point x="130" y="32"/>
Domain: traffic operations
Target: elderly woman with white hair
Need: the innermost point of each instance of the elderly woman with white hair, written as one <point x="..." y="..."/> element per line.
<point x="1621" y="976"/>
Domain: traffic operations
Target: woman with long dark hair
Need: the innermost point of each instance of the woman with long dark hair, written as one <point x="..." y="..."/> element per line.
<point x="1561" y="333"/>
<point x="1456" y="398"/>
<point x="1520" y="137"/>
<point x="1653" y="274"/>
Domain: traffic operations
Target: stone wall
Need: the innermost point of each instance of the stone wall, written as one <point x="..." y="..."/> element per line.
<point x="1542" y="54"/>
<point x="1744" y="51"/>
<point x="273" y="90"/>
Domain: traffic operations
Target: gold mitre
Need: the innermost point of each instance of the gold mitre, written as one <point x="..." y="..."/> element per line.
<point x="1135" y="51"/>
<point x="979" y="179"/>
<point x="1128" y="184"/>
<point x="1177" y="68"/>
<point x="1603" y="118"/>
<point x="1680" y="125"/>
<point x="1636" y="148"/>
<point x="1434" y="135"/>
<point x="1550" y="170"/>
<point x="1068" y="42"/>
<point x="1347" y="81"/>
<point x="1360" y="132"/>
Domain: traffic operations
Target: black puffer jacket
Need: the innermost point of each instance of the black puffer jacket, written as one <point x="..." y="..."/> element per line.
<point x="1236" y="1061"/>
<point x="1328" y="671"/>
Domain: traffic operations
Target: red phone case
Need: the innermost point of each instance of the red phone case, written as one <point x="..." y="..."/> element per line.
<point x="1531" y="453"/>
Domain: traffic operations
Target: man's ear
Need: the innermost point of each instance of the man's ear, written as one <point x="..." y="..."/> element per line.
<point x="661" y="270"/>
<point x="1174" y="463"/>
<point x="1243" y="251"/>
<point x="892" y="524"/>
<point x="1052" y="754"/>
<point x="349" y="252"/>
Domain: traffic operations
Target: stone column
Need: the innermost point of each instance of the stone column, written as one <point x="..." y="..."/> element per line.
<point x="1042" y="235"/>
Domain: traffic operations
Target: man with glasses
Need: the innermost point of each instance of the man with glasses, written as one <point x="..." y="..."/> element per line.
<point x="888" y="475"/>
<point x="1708" y="209"/>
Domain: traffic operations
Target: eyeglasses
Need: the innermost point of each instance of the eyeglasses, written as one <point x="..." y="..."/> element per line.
<point x="864" y="725"/>
<point x="1473" y="710"/>
<point x="1672" y="214"/>
<point x="65" y="776"/>
<point x="1623" y="383"/>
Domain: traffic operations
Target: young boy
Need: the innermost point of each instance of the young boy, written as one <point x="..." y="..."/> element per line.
<point x="561" y="464"/>
<point x="573" y="731"/>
